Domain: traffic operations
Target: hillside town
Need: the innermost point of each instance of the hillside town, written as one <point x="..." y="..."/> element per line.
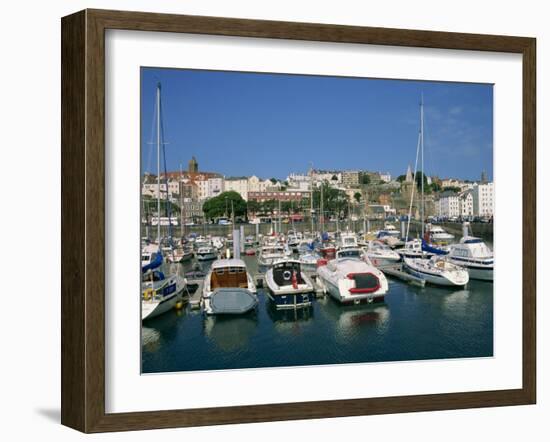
<point x="348" y="193"/>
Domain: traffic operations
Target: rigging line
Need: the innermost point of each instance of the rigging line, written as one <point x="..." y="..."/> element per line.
<point x="168" y="206"/>
<point x="412" y="192"/>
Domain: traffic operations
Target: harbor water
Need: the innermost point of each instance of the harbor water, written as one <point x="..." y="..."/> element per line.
<point x="414" y="323"/>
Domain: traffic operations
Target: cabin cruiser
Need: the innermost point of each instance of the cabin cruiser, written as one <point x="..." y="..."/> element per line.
<point x="436" y="235"/>
<point x="218" y="242"/>
<point x="149" y="254"/>
<point x="475" y="256"/>
<point x="347" y="240"/>
<point x="293" y="239"/>
<point x="308" y="260"/>
<point x="289" y="286"/>
<point x="205" y="251"/>
<point x="380" y="254"/>
<point x="413" y="249"/>
<point x="437" y="270"/>
<point x="271" y="253"/>
<point x="228" y="289"/>
<point x="348" y="278"/>
<point x="389" y="237"/>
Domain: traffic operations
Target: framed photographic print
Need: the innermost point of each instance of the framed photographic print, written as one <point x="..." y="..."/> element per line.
<point x="268" y="220"/>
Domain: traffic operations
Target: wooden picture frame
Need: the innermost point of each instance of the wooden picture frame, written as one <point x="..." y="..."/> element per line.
<point x="83" y="220"/>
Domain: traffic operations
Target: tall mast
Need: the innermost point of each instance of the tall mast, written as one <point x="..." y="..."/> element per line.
<point x="311" y="196"/>
<point x="158" y="164"/>
<point x="422" y="164"/>
<point x="322" y="210"/>
<point x="181" y="202"/>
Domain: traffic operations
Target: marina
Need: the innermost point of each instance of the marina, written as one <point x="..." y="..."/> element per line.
<point x="412" y="323"/>
<point x="328" y="267"/>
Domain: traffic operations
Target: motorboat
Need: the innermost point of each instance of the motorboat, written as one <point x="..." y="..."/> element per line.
<point x="413" y="249"/>
<point x="349" y="279"/>
<point x="437" y="270"/>
<point x="228" y="289"/>
<point x="293" y="239"/>
<point x="475" y="256"/>
<point x="347" y="240"/>
<point x="150" y="256"/>
<point x="206" y="251"/>
<point x="271" y="253"/>
<point x="218" y="242"/>
<point x="309" y="260"/>
<point x="289" y="286"/>
<point x="437" y="235"/>
<point x="380" y="254"/>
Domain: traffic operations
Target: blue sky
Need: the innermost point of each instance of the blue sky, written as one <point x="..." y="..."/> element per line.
<point x="269" y="125"/>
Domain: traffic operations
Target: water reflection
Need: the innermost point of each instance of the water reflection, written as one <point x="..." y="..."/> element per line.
<point x="458" y="299"/>
<point x="291" y="321"/>
<point x="150" y="339"/>
<point x="230" y="333"/>
<point x="348" y="319"/>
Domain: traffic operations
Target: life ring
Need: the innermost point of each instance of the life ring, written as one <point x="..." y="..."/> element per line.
<point x="287" y="275"/>
<point x="148" y="294"/>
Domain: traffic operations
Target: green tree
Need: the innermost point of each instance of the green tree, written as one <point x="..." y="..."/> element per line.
<point x="221" y="205"/>
<point x="435" y="186"/>
<point x="451" y="189"/>
<point x="357" y="196"/>
<point x="335" y="201"/>
<point x="365" y="179"/>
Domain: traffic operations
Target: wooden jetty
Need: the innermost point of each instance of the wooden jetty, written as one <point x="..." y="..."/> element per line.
<point x="397" y="271"/>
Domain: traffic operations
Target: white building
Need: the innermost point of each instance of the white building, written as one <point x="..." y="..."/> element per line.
<point x="466" y="204"/>
<point x="448" y="205"/>
<point x="299" y="181"/>
<point x="334" y="178"/>
<point x="386" y="177"/>
<point x="483" y="199"/>
<point x="237" y="184"/>
<point x="256" y="184"/>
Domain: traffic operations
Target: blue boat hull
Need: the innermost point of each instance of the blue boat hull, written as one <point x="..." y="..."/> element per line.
<point x="291" y="301"/>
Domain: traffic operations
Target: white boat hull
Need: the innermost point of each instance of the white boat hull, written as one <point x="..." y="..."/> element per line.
<point x="152" y="309"/>
<point x="343" y="289"/>
<point x="379" y="261"/>
<point x="447" y="278"/>
<point x="475" y="271"/>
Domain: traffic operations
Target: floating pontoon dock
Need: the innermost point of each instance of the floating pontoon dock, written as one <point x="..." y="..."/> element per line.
<point x="396" y="270"/>
<point x="195" y="298"/>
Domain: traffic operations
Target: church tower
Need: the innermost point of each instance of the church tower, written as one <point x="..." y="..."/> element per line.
<point x="193" y="165"/>
<point x="409" y="176"/>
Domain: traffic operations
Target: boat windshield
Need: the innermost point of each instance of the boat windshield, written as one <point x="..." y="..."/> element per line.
<point x="349" y="254"/>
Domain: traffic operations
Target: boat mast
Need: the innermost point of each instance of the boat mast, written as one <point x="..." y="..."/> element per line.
<point x="422" y="164"/>
<point x="181" y="202"/>
<point x="158" y="163"/>
<point x="232" y="215"/>
<point x="322" y="210"/>
<point x="311" y="196"/>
